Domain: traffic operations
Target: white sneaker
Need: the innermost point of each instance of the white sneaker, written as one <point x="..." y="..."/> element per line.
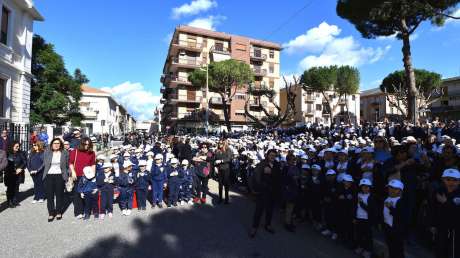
<point x="334" y="236"/>
<point x="326" y="232"/>
<point x="182" y="203"/>
<point x="110" y="215"/>
<point x="190" y="202"/>
<point x="33" y="202"/>
<point x="80" y="216"/>
<point x="123" y="212"/>
<point x="128" y="212"/>
<point x="358" y="250"/>
<point x="41" y="200"/>
<point x="101" y="216"/>
<point x="366" y="254"/>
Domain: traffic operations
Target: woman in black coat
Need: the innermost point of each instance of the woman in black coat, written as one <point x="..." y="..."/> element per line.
<point x="222" y="160"/>
<point x="14" y="173"/>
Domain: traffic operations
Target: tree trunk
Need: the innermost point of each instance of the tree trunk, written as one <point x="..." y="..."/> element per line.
<point x="412" y="113"/>
<point x="346" y="108"/>
<point x="226" y="115"/>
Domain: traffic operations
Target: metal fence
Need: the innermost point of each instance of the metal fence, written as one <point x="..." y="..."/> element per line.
<point x="18" y="132"/>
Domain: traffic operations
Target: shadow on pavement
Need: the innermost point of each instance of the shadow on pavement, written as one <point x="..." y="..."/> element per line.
<point x="21" y="197"/>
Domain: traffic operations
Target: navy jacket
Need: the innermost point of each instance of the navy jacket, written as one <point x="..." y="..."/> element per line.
<point x="142" y="180"/>
<point x="157" y="174"/>
<point x="105" y="186"/>
<point x="126" y="180"/>
<point x="86" y="185"/>
<point x="35" y="162"/>
<point x="187" y="174"/>
<point x="173" y="179"/>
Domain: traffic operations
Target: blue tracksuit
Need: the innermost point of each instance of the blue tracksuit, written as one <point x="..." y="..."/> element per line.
<point x="126" y="186"/>
<point x="106" y="190"/>
<point x="159" y="177"/>
<point x="174" y="182"/>
<point x="142" y="186"/>
<point x="86" y="187"/>
<point x="135" y="162"/>
<point x="185" y="193"/>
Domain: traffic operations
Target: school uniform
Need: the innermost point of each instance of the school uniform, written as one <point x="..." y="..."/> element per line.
<point x="125" y="184"/>
<point x="142" y="186"/>
<point x="185" y="193"/>
<point x="330" y="195"/>
<point x="88" y="187"/>
<point x="174" y="182"/>
<point x="105" y="183"/>
<point x="159" y="177"/>
<point x="345" y="204"/>
<point x="394" y="227"/>
<point x="446" y="219"/>
<point x="315" y="187"/>
<point x="365" y="209"/>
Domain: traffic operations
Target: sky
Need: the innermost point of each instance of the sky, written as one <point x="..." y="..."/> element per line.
<point x="121" y="46"/>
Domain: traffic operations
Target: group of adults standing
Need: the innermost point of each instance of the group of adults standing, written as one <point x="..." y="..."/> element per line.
<point x="51" y="167"/>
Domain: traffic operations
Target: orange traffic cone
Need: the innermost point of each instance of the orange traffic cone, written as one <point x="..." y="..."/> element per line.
<point x="134" y="200"/>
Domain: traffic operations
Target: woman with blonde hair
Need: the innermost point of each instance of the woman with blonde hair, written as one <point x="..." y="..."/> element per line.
<point x="35" y="165"/>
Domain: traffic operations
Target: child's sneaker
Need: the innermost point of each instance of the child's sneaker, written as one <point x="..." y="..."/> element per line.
<point x="110" y="215"/>
<point x="128" y="212"/>
<point x="182" y="203"/>
<point x="123" y="212"/>
<point x="101" y="217"/>
<point x="79" y="216"/>
<point x="196" y="200"/>
<point x="190" y="202"/>
<point x="334" y="236"/>
<point x="41" y="201"/>
<point x="34" y="201"/>
<point x="326" y="232"/>
<point x="203" y="200"/>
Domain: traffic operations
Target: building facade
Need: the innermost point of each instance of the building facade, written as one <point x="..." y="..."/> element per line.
<point x="16" y="35"/>
<point x="375" y="106"/>
<point x="102" y="114"/>
<point x="448" y="106"/>
<point x="193" y="48"/>
<point x="311" y="107"/>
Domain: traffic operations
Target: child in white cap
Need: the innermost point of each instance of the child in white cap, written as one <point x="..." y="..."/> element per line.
<point x="142" y="185"/>
<point x="185" y="192"/>
<point x="394" y="224"/>
<point x="106" y="183"/>
<point x="126" y="187"/>
<point x="364" y="218"/>
<point x="330" y="204"/>
<point x="315" y="195"/>
<point x="87" y="187"/>
<point x="446" y="215"/>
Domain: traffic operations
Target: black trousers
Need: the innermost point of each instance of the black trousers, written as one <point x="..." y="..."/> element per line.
<point x="224" y="184"/>
<point x="91" y="204"/>
<point x="447" y="243"/>
<point x="12" y="187"/>
<point x="363" y="234"/>
<point x="394" y="241"/>
<point x="78" y="202"/>
<point x="106" y="201"/>
<point x="265" y="203"/>
<point x="141" y="196"/>
<point x="201" y="186"/>
<point x="54" y="189"/>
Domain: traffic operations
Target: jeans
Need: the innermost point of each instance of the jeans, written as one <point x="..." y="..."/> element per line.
<point x="39" y="188"/>
<point x="54" y="185"/>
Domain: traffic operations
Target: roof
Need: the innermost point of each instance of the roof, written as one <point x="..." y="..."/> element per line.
<point x="370" y="92"/>
<point x="90" y="90"/>
<point x="29" y="7"/>
<point x="226" y="36"/>
<point x="457" y="78"/>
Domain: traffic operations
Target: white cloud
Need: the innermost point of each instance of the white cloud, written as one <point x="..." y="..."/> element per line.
<point x="193" y="8"/>
<point x="208" y="23"/>
<point x="313" y="40"/>
<point x="344" y="51"/>
<point x="138" y="101"/>
<point x="455" y="14"/>
<point x="391" y="37"/>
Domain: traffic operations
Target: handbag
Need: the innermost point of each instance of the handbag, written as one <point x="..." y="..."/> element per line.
<point x="70" y="184"/>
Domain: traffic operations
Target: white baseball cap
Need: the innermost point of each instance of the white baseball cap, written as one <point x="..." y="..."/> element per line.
<point x="158" y="156"/>
<point x="368" y="149"/>
<point x="452" y="173"/>
<point x="142" y="162"/>
<point x="127" y="164"/>
<point x="100" y="157"/>
<point x="184" y="162"/>
<point x="174" y="161"/>
<point x="305" y="166"/>
<point x="304" y="157"/>
<point x="365" y="181"/>
<point x="107" y="164"/>
<point x="395" y="183"/>
<point x="88" y="172"/>
<point x="126" y="154"/>
<point x="347" y="178"/>
<point x="316" y="166"/>
<point x="330" y="172"/>
<point x="150" y="153"/>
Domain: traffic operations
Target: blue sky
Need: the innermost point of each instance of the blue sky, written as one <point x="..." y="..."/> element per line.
<point x="121" y="46"/>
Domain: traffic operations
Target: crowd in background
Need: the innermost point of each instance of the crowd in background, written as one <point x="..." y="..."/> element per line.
<point x="347" y="181"/>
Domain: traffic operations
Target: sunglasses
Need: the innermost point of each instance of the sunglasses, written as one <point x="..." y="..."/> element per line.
<point x="54" y="143"/>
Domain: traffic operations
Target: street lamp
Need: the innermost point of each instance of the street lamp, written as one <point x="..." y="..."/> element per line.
<point x="207" y="100"/>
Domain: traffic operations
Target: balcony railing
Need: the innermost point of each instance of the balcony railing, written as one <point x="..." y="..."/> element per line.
<point x="191" y="45"/>
<point x="259" y="71"/>
<point x="217" y="101"/>
<point x="185" y="99"/>
<point x="310" y="97"/>
<point x="257" y="55"/>
<point x="174" y="79"/>
<point x="186" y="61"/>
<point x="220" y="50"/>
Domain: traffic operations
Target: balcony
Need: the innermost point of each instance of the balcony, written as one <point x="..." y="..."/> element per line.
<point x="174" y="80"/>
<point x="186" y="62"/>
<point x="220" y="50"/>
<point x="310" y="98"/>
<point x="185" y="99"/>
<point x="259" y="71"/>
<point x="309" y="113"/>
<point x="188" y="45"/>
<point x="216" y="101"/>
<point x="257" y="55"/>
<point x="90" y="114"/>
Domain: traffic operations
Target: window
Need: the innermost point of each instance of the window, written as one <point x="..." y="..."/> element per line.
<point x="2" y="97"/>
<point x="219" y="46"/>
<point x="271" y="83"/>
<point x="317" y="95"/>
<point x="319" y="107"/>
<point x="4" y="26"/>
<point x="240" y="97"/>
<point x="353" y="97"/>
<point x="271" y="68"/>
<point x="272" y="53"/>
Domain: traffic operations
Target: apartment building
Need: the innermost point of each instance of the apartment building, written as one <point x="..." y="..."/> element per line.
<point x="375" y="106"/>
<point x="194" y="48"/>
<point x="16" y="35"/>
<point x="311" y="107"/>
<point x="448" y="106"/>
<point x="103" y="114"/>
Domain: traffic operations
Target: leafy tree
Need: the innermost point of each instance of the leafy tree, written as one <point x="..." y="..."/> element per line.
<point x="273" y="120"/>
<point x="428" y="85"/>
<point x="347" y="84"/>
<point x="55" y="94"/>
<point x="402" y="17"/>
<point x="224" y="78"/>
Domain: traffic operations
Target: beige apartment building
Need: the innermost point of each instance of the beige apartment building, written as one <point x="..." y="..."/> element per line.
<point x="448" y="106"/>
<point x="311" y="107"/>
<point x="375" y="106"/>
<point x="193" y="48"/>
